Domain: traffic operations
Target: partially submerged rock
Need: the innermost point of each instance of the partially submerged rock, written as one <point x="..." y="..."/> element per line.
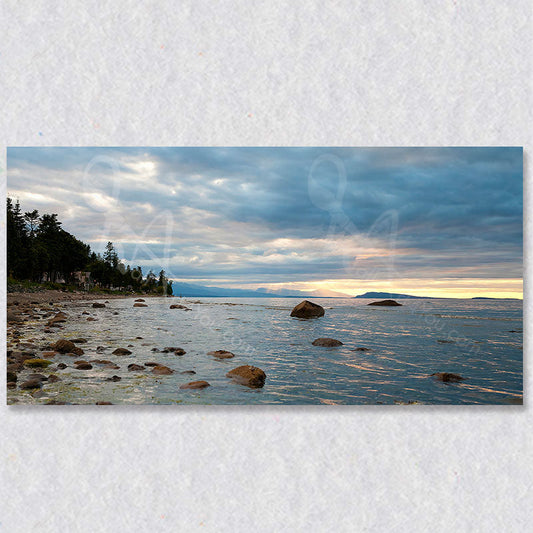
<point x="135" y="368"/>
<point x="42" y="377"/>
<point x="139" y="305"/>
<point x="139" y="300"/>
<point x="162" y="370"/>
<point x="195" y="385"/>
<point x="174" y="350"/>
<point x="83" y="366"/>
<point x="121" y="351"/>
<point x="325" y="341"/>
<point x="447" y="377"/>
<point x="178" y="306"/>
<point x="389" y="303"/>
<point x="221" y="354"/>
<point x="31" y="384"/>
<point x="58" y="318"/>
<point x="251" y="376"/>
<point x="97" y="305"/>
<point x="307" y="309"/>
<point x="64" y="346"/>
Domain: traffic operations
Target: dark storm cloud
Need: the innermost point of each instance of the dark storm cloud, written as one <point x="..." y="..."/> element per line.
<point x="457" y="209"/>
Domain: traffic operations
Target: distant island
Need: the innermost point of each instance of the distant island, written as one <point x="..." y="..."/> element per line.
<point x="388" y="295"/>
<point x="489" y="298"/>
<point x="191" y="290"/>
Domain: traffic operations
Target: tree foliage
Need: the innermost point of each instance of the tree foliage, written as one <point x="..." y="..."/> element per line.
<point x="39" y="249"/>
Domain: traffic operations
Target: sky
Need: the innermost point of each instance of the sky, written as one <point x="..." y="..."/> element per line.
<point x="421" y="221"/>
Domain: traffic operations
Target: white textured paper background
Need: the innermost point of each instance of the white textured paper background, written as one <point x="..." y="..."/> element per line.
<point x="294" y="73"/>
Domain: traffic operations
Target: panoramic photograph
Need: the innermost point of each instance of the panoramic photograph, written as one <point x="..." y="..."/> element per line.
<point x="264" y="275"/>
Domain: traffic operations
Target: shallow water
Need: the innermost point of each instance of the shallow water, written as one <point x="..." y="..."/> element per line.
<point x="483" y="343"/>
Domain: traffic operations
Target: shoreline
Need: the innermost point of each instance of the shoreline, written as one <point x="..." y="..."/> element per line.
<point x="21" y="298"/>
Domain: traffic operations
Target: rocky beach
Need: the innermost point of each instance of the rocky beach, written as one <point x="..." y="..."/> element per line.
<point x="75" y="348"/>
<point x="35" y="359"/>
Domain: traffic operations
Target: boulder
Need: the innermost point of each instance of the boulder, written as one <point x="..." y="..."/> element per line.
<point x="135" y="368"/>
<point x="307" y="309"/>
<point x="83" y="366"/>
<point x="176" y="351"/>
<point x="11" y="376"/>
<point x="64" y="346"/>
<point x="77" y="351"/>
<point x="11" y="385"/>
<point x="151" y="363"/>
<point x="195" y="385"/>
<point x="162" y="370"/>
<point x="31" y="384"/>
<point x="140" y="305"/>
<point x="221" y="354"/>
<point x="97" y="305"/>
<point x="42" y="377"/>
<point x="114" y="378"/>
<point x="139" y="300"/>
<point x="46" y="355"/>
<point x="447" y="377"/>
<point x="60" y="317"/>
<point x="61" y="366"/>
<point x="362" y="349"/>
<point x="15" y="367"/>
<point x="91" y="319"/>
<point x="190" y="372"/>
<point x="251" y="376"/>
<point x="389" y="303"/>
<point x="178" y="306"/>
<point x="324" y="341"/>
<point x="121" y="351"/>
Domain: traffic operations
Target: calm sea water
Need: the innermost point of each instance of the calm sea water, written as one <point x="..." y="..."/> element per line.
<point x="483" y="343"/>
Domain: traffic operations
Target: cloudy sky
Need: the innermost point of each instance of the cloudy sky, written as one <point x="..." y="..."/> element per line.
<point x="426" y="221"/>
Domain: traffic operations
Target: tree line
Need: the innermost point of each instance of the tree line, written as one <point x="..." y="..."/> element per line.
<point x="39" y="249"/>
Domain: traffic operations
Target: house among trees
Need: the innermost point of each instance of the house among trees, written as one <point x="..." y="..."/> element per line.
<point x="83" y="280"/>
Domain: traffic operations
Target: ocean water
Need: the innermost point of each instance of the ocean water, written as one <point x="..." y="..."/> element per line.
<point x="478" y="339"/>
